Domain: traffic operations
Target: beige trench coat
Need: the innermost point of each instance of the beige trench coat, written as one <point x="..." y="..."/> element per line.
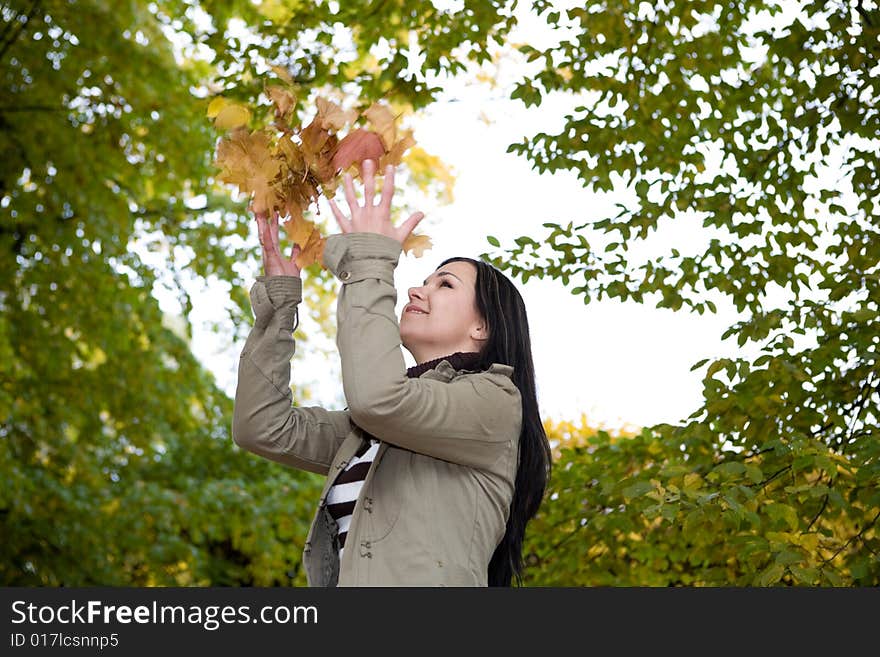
<point x="435" y="502"/>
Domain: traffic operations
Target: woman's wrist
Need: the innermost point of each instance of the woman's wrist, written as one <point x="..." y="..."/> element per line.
<point x="283" y="289"/>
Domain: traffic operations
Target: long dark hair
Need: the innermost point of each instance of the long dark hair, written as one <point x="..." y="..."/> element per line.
<point x="499" y="303"/>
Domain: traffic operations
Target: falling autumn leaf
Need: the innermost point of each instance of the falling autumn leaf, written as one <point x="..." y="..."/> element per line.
<point x="395" y="155"/>
<point x="313" y="140"/>
<point x="248" y="163"/>
<point x="232" y="116"/>
<point x="418" y="244"/>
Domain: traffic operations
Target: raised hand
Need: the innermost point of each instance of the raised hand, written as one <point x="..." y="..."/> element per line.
<point x="275" y="264"/>
<point x="371" y="217"/>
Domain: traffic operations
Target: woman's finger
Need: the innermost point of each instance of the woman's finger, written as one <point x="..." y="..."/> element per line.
<point x="369" y="183"/>
<point x="350" y="196"/>
<point x="407" y="227"/>
<point x="344" y="224"/>
<point x="263" y="233"/>
<point x="273" y="233"/>
<point x="387" y="188"/>
<point x="268" y="242"/>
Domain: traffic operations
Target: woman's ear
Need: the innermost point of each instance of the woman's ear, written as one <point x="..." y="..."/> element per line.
<point x="480" y="333"/>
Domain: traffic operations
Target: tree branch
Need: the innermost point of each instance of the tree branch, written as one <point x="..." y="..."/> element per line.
<point x="764" y="483"/>
<point x="19" y="28"/>
<point x="864" y="14"/>
<point x="852" y="538"/>
<point x="818" y="513"/>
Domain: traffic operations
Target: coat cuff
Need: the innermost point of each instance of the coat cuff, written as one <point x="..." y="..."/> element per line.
<point x="355" y="256"/>
<point x="276" y="294"/>
<point x="282" y="290"/>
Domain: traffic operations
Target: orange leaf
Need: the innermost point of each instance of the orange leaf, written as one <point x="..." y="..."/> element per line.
<point x="357" y="146"/>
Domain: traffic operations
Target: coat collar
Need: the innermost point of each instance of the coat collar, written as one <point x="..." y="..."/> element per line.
<point x="444" y="371"/>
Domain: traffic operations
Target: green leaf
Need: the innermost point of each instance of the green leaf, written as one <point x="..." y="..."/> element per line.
<point x="831" y="577"/>
<point x="637" y="489"/>
<point x="788" y="557"/>
<point x="730" y="469"/>
<point x="808" y="576"/>
<point x="784" y="512"/>
<point x="770" y="575"/>
<point x="754" y="473"/>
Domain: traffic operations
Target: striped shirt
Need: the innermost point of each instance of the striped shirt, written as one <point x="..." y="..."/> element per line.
<point x="345" y="490"/>
<point x="343" y="494"/>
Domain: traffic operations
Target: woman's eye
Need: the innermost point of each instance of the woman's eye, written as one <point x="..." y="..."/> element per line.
<point x="445" y="283"/>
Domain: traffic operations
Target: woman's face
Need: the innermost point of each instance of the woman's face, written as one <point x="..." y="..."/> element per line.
<point x="450" y="321"/>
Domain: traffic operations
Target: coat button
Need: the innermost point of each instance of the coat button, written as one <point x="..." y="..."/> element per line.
<point x="345" y="275"/>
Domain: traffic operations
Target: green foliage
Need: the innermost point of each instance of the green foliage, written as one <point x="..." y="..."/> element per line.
<point x="768" y="136"/>
<point x="668" y="506"/>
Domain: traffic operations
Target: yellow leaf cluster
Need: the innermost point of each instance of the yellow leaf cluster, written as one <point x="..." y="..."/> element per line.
<point x="286" y="167"/>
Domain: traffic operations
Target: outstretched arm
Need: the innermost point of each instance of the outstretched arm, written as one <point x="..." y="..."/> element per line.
<point x="473" y="420"/>
<point x="264" y="419"/>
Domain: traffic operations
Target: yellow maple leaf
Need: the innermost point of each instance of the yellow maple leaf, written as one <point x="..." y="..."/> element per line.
<point x="395" y="155"/>
<point x="383" y="122"/>
<point x="307" y="235"/>
<point x="417" y="244"/>
<point x="264" y="196"/>
<point x="216" y="105"/>
<point x="231" y="116"/>
<point x="299" y="230"/>
<point x="331" y="116"/>
<point x="291" y="153"/>
<point x="247" y="161"/>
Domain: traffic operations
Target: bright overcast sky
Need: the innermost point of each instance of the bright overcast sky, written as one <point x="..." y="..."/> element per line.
<point x="621" y="364"/>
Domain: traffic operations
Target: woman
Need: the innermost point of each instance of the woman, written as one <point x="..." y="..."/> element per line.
<point x="432" y="471"/>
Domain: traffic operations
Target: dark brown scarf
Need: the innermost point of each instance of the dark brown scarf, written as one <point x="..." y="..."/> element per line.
<point x="460" y="360"/>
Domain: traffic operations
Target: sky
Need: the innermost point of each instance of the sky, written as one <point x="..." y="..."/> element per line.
<point x="621" y="364"/>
